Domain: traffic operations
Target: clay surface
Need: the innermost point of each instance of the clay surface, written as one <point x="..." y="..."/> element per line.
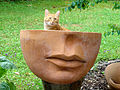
<point x="112" y="75"/>
<point x="59" y="57"/>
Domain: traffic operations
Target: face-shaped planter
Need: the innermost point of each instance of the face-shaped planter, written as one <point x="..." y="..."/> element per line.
<point x="57" y="56"/>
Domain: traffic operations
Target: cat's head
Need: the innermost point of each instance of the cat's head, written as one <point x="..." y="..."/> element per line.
<point x="51" y="19"/>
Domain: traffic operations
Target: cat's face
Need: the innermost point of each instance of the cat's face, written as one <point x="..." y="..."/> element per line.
<point x="51" y="19"/>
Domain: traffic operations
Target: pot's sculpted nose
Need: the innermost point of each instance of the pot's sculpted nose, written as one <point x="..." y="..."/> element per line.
<point x="73" y="46"/>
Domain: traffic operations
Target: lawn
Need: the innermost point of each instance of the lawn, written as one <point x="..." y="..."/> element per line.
<point x="30" y="15"/>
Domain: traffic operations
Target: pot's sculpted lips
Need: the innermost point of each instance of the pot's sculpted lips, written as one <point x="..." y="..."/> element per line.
<point x="66" y="61"/>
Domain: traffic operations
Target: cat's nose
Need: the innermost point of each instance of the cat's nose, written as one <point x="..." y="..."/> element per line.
<point x="52" y="23"/>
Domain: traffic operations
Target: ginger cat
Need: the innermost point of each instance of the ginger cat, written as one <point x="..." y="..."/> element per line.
<point x="51" y="21"/>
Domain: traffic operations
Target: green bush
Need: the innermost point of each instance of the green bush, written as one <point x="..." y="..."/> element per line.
<point x="83" y="4"/>
<point x="116" y="5"/>
<point x="114" y="29"/>
<point x="5" y="64"/>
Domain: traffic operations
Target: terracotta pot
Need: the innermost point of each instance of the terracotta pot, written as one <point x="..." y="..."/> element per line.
<point x="112" y="75"/>
<point x="60" y="57"/>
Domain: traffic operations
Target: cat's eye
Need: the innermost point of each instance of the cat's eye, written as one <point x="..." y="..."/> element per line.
<point x="54" y="18"/>
<point x="49" y="17"/>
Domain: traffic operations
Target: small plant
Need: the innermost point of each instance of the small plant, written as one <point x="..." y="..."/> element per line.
<point x="116" y="5"/>
<point x="5" y="64"/>
<point x="114" y="29"/>
<point x="83" y="4"/>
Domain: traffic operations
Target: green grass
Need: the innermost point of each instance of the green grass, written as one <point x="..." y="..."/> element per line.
<point x="29" y="15"/>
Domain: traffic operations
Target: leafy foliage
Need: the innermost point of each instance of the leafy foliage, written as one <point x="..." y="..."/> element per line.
<point x="4" y="86"/>
<point x="116" y="5"/>
<point x="114" y="29"/>
<point x="2" y="71"/>
<point x="7" y="85"/>
<point x="99" y="1"/>
<point x="14" y="0"/>
<point x="5" y="64"/>
<point x="83" y="4"/>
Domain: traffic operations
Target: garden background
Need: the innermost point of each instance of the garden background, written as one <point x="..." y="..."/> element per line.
<point x="29" y="15"/>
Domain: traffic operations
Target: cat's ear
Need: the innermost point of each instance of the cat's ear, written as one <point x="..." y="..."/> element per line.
<point x="57" y="13"/>
<point x="46" y="12"/>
